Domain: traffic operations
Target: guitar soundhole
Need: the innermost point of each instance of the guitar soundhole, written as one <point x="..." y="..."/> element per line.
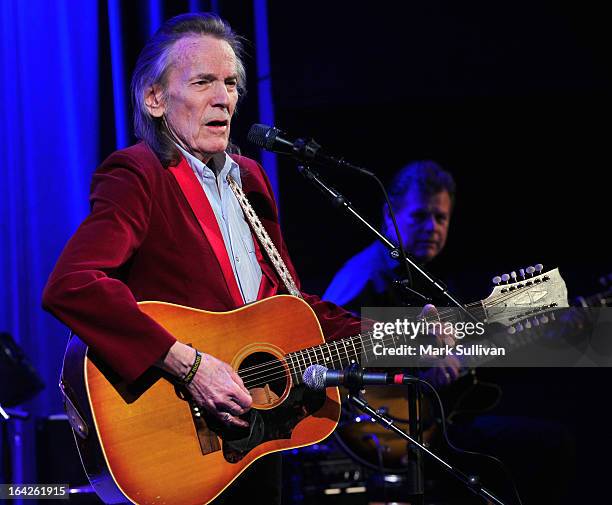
<point x="265" y="376"/>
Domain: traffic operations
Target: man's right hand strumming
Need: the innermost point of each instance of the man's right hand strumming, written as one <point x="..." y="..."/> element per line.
<point x="215" y="386"/>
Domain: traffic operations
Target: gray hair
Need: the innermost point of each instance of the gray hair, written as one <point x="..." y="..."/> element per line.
<point x="154" y="63"/>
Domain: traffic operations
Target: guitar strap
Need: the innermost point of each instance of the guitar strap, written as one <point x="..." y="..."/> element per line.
<point x="264" y="238"/>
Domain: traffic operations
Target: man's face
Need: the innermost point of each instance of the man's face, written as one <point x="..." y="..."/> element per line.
<point x="201" y="94"/>
<point x="423" y="222"/>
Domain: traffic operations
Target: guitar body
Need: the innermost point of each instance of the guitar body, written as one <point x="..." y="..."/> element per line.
<point x="147" y="443"/>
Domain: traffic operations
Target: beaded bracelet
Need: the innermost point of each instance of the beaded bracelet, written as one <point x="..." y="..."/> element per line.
<point x="194" y="368"/>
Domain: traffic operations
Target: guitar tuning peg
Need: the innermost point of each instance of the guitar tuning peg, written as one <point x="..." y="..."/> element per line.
<point x="513" y="275"/>
<point x="505" y="278"/>
<point x="511" y="330"/>
<point x="496" y="280"/>
<point x="530" y="271"/>
<point x="539" y="267"/>
<point x="552" y="316"/>
<point x="528" y="324"/>
<point x="535" y="321"/>
<point x="544" y="319"/>
<point x="522" y="273"/>
<point x="519" y="327"/>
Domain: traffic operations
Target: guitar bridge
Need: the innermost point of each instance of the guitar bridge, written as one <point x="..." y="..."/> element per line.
<point x="208" y="439"/>
<point x="209" y="442"/>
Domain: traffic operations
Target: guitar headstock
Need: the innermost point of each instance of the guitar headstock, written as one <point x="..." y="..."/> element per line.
<point x="523" y="300"/>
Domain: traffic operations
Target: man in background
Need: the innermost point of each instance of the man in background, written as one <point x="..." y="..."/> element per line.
<point x="422" y="194"/>
<point x="539" y="452"/>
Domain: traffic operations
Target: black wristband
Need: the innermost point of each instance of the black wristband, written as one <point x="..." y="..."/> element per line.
<point x="194" y="368"/>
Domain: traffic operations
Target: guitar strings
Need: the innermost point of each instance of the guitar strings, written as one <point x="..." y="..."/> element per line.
<point x="343" y="341"/>
<point x="345" y="349"/>
<point x="304" y="357"/>
<point x="280" y="367"/>
<point x="303" y="364"/>
<point x="279" y="371"/>
<point x="442" y="315"/>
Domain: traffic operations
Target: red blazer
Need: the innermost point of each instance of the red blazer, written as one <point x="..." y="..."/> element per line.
<point x="151" y="235"/>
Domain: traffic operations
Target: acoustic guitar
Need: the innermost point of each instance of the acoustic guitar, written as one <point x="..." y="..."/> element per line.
<point x="147" y="442"/>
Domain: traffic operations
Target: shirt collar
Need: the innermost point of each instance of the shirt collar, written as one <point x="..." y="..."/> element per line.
<point x="203" y="172"/>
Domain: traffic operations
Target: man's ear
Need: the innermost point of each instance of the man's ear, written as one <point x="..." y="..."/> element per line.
<point x="154" y="101"/>
<point x="387" y="227"/>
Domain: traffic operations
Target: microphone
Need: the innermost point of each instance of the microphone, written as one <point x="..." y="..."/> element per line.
<point x="275" y="140"/>
<point x="318" y="377"/>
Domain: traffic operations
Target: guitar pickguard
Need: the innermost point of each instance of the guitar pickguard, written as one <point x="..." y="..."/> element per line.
<point x="272" y="424"/>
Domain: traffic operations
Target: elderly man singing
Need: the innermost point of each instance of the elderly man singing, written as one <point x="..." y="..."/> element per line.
<point x="167" y="224"/>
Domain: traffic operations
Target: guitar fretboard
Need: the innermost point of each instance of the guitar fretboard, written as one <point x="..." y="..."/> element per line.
<point x="335" y="354"/>
<point x="340" y="353"/>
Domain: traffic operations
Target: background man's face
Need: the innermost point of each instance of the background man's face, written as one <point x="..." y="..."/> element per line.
<point x="202" y="94"/>
<point x="423" y="222"/>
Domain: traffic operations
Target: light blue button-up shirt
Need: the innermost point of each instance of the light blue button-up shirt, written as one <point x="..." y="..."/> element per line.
<point x="232" y="223"/>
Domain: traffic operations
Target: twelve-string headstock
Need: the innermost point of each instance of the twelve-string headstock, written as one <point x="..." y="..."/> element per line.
<point x="525" y="299"/>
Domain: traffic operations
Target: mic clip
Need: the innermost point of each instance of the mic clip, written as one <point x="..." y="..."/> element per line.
<point x="353" y="378"/>
<point x="306" y="148"/>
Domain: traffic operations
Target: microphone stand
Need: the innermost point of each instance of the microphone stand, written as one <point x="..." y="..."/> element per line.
<point x="414" y="390"/>
<point x="340" y="202"/>
<point x="353" y="385"/>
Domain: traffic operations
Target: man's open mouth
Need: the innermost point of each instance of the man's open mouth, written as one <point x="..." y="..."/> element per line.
<point x="217" y="123"/>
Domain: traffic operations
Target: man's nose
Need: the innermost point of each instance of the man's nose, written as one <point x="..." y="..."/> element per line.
<point x="430" y="223"/>
<point x="221" y="96"/>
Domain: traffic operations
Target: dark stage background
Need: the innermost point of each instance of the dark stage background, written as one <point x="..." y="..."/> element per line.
<point x="513" y="99"/>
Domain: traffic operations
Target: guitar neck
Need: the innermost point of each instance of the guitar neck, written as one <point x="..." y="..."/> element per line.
<point x="335" y="354"/>
<point x="510" y="303"/>
<point x="340" y="353"/>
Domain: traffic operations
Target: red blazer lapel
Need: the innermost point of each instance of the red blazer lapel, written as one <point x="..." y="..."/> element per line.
<point x="191" y="188"/>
